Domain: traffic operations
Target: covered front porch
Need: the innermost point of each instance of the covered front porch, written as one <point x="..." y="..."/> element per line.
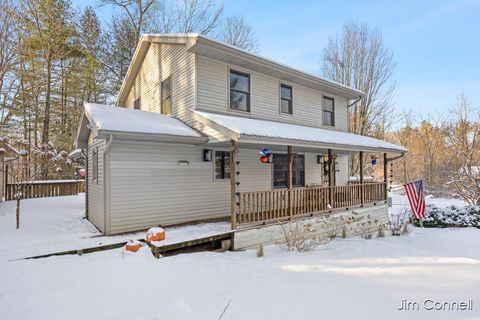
<point x="329" y="193"/>
<point x="288" y="202"/>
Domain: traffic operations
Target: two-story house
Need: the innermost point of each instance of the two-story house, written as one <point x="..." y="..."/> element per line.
<point x="184" y="143"/>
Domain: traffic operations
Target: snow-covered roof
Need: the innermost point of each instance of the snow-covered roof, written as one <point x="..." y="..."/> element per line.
<point x="133" y="124"/>
<point x="246" y="128"/>
<point x="116" y="119"/>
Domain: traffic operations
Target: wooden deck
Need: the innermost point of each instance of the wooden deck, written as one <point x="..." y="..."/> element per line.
<point x="286" y="204"/>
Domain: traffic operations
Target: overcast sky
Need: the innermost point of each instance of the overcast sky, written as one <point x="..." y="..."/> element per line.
<point x="436" y="43"/>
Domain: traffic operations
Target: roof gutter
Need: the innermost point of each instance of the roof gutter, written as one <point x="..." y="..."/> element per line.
<point x="151" y="137"/>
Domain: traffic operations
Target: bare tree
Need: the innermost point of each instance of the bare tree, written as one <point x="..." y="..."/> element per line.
<point x="239" y="33"/>
<point x="135" y="11"/>
<point x="462" y="142"/>
<point x="150" y="16"/>
<point x="432" y="142"/>
<point x="25" y="166"/>
<point x="200" y="16"/>
<point x="404" y="136"/>
<point x="359" y="59"/>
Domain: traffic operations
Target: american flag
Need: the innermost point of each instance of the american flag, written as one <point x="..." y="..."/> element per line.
<point x="416" y="198"/>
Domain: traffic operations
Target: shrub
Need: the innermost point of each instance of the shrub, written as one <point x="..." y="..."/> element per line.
<point x="364" y="226"/>
<point x="398" y="223"/>
<point x="301" y="236"/>
<point x="452" y="216"/>
<point x="335" y="226"/>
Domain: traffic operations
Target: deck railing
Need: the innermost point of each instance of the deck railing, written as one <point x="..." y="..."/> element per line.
<point x="47" y="188"/>
<point x="282" y="204"/>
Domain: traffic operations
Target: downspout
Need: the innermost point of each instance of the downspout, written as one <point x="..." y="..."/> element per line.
<point x="106" y="189"/>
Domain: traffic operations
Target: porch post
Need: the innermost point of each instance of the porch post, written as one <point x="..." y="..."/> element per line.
<point x="233" y="184"/>
<point x="2" y="174"/>
<point x="362" y="189"/>
<point x="385" y="178"/>
<point x="289" y="180"/>
<point x="330" y="177"/>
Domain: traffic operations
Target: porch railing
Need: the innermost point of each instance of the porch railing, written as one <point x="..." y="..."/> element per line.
<point x="282" y="204"/>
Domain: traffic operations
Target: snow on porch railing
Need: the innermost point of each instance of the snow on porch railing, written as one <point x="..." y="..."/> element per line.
<point x="47" y="188"/>
<point x="283" y="204"/>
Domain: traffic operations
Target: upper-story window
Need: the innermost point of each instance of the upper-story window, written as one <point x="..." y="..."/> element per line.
<point x="286" y="99"/>
<point x="137" y="103"/>
<point x="239" y="91"/>
<point x="167" y="96"/>
<point x="328" y="111"/>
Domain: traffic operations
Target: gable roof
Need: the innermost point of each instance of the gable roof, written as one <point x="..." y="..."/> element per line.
<point x="255" y="131"/>
<point x="220" y="51"/>
<point x="145" y="126"/>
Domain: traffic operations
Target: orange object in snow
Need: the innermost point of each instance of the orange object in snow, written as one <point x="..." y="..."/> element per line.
<point x="133" y="246"/>
<point x="155" y="234"/>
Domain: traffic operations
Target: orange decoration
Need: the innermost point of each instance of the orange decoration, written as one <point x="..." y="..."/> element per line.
<point x="133" y="246"/>
<point x="155" y="234"/>
<point x="264" y="159"/>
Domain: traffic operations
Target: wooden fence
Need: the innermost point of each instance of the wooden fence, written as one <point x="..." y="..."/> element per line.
<point x="271" y="206"/>
<point x="47" y="188"/>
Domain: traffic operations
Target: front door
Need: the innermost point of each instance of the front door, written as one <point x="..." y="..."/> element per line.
<point x="280" y="170"/>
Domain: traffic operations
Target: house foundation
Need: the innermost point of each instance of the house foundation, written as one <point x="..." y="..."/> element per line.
<point x="250" y="238"/>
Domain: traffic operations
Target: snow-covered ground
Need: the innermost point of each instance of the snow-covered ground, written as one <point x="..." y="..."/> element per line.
<point x="345" y="279"/>
<point x="49" y="225"/>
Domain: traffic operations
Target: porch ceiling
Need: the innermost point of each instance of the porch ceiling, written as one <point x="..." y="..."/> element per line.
<point x="255" y="133"/>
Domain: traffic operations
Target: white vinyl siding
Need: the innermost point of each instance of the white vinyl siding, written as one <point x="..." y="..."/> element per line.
<point x="163" y="61"/>
<point x="213" y="91"/>
<point x="146" y="84"/>
<point x="96" y="189"/>
<point x="149" y="188"/>
<point x="342" y="175"/>
<point x="314" y="170"/>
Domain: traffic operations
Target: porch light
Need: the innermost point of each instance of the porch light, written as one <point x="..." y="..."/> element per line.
<point x="207" y="155"/>
<point x="320" y="159"/>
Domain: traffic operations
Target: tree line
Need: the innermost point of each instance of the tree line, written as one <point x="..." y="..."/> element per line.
<point x="55" y="57"/>
<point x="443" y="151"/>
